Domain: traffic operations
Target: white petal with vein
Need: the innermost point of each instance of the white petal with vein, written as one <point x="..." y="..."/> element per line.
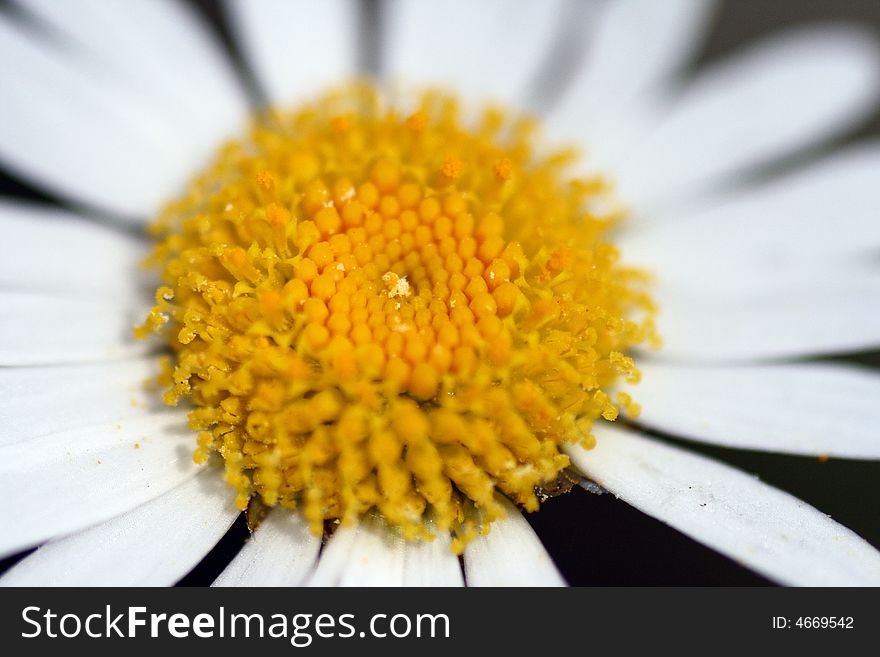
<point x="139" y="43"/>
<point x="638" y="45"/>
<point x="789" y="92"/>
<point x="39" y="329"/>
<point x="819" y="216"/>
<point x="153" y="545"/>
<point x="370" y="554"/>
<point x="732" y="512"/>
<point x="67" y="481"/>
<point x="49" y="250"/>
<point x="511" y="554"/>
<point x="825" y="312"/>
<point x="485" y="51"/>
<point x="282" y="552"/>
<point x="35" y="401"/>
<point x="811" y="408"/>
<point x="89" y="137"/>
<point x="297" y="47"/>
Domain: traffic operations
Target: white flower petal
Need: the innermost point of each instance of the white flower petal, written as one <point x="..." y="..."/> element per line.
<point x="297" y="47"/>
<point x="789" y="92"/>
<point x="485" y="51"/>
<point x="825" y="213"/>
<point x="369" y="554"/>
<point x="153" y="545"/>
<point x="48" y="250"/>
<point x="732" y="512"/>
<point x="282" y="552"/>
<point x="66" y="481"/>
<point x="35" y="401"/>
<point x="812" y="409"/>
<point x="163" y="50"/>
<point x="638" y="45"/>
<point x="511" y="554"/>
<point x="431" y="563"/>
<point x="38" y="329"/>
<point x="824" y="313"/>
<point x="91" y="138"/>
<point x="335" y="558"/>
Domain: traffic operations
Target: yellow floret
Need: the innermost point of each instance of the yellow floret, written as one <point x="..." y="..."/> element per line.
<point x="394" y="312"/>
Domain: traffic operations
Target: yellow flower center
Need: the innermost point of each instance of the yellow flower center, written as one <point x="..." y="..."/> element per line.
<point x="397" y="312"/>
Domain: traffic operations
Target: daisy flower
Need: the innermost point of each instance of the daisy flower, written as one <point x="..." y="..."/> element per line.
<point x="397" y="319"/>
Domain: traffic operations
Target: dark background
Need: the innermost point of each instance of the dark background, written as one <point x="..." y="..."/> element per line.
<point x="598" y="540"/>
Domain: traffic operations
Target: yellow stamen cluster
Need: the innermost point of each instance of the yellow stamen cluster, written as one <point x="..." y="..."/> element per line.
<point x="373" y="309"/>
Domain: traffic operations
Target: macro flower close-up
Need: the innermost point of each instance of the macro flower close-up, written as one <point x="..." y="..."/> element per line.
<point x="436" y="293"/>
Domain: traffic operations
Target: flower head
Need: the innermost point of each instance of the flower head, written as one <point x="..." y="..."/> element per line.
<point x="115" y="105"/>
<point x="395" y="311"/>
